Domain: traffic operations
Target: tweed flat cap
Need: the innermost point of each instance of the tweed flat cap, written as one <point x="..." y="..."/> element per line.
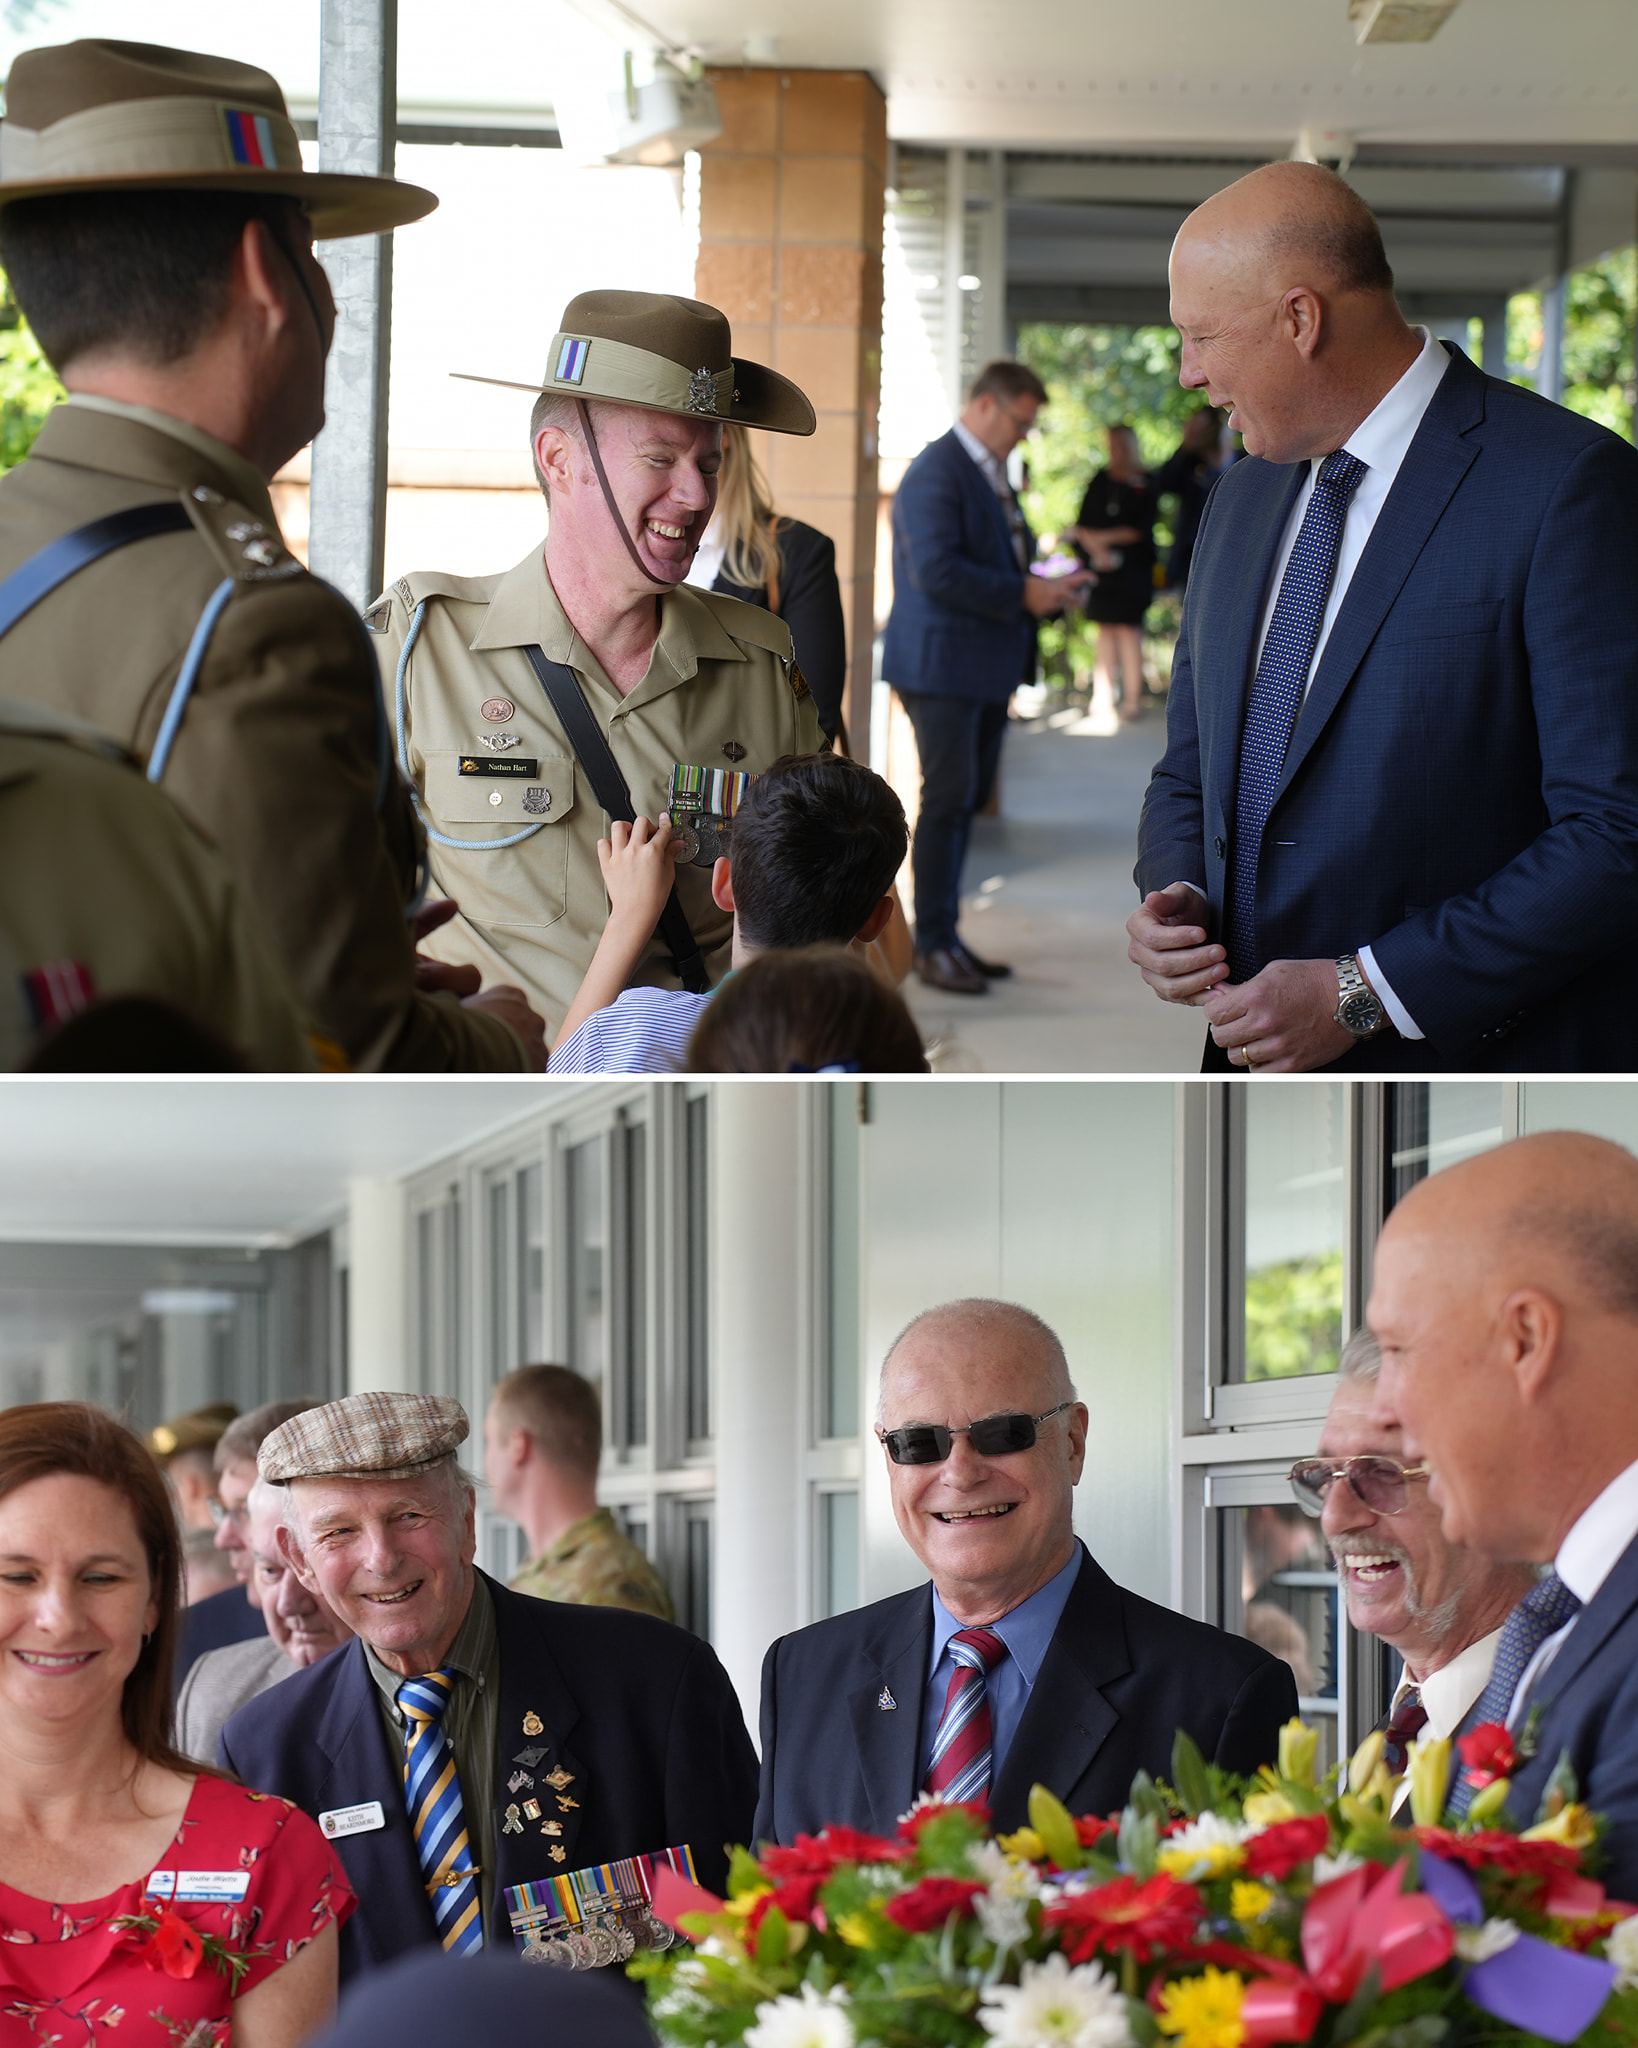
<point x="365" y="1436"/>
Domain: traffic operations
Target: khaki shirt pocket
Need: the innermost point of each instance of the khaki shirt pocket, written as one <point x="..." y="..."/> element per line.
<point x="498" y="877"/>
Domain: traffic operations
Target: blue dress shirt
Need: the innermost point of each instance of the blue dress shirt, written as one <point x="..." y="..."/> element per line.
<point x="1026" y="1631"/>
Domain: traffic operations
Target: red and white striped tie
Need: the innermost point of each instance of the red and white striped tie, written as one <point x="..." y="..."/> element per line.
<point x="960" y="1769"/>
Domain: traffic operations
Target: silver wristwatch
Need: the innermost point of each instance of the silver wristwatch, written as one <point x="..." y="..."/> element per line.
<point x="1358" y="1009"/>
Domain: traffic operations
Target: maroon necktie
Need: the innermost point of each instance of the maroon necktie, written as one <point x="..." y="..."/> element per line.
<point x="960" y="1768"/>
<point x="1405" y="1723"/>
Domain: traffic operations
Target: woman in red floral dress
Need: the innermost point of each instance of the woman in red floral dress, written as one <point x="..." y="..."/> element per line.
<point x="143" y="1903"/>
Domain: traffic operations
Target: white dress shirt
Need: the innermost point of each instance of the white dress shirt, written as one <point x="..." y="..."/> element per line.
<point x="995" y="475"/>
<point x="706" y="566"/>
<point x="1451" y="1691"/>
<point x="1381" y="441"/>
<point x="1596" y="1544"/>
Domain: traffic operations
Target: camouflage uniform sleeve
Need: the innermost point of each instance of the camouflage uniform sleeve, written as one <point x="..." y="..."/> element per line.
<point x="279" y="758"/>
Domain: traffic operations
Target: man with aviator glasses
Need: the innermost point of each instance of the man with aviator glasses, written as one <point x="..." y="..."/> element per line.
<point x="1438" y="1604"/>
<point x="1022" y="1661"/>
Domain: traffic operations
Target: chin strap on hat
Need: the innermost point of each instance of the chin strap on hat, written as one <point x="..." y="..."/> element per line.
<point x="643" y="569"/>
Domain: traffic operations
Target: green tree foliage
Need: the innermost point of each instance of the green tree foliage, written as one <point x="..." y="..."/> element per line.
<point x="1294" y="1317"/>
<point x="28" y="384"/>
<point x="1601" y="308"/>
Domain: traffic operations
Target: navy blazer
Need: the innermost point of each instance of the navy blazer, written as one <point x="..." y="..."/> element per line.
<point x="212" y="1624"/>
<point x="640" y="1714"/>
<point x="958" y="627"/>
<point x="810" y="603"/>
<point x="1586" y="1706"/>
<point x="1461" y="789"/>
<point x="1120" y="1678"/>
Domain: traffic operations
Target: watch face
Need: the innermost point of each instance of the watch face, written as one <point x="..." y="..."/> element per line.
<point x="1361" y="1013"/>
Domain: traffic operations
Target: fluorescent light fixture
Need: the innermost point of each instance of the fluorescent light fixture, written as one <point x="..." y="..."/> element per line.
<point x="188" y="1301"/>
<point x="1399" y="21"/>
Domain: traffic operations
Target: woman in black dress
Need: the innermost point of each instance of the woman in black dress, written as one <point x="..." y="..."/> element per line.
<point x="752" y="553"/>
<point x="1115" y="532"/>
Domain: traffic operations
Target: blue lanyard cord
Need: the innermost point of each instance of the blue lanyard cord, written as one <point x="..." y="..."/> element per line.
<point x="400" y="692"/>
<point x="192" y="662"/>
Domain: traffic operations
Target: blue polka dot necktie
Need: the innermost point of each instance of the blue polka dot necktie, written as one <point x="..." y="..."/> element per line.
<point x="1542" y="1612"/>
<point x="432" y="1796"/>
<point x="1277" y="691"/>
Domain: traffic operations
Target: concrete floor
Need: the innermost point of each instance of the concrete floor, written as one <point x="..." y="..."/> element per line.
<point x="1049" y="888"/>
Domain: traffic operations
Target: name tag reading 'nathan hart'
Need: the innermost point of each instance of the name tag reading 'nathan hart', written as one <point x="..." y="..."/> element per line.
<point x="352" y="1820"/>
<point x="500" y="764"/>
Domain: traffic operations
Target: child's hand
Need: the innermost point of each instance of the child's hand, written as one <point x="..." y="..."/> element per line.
<point x="637" y="871"/>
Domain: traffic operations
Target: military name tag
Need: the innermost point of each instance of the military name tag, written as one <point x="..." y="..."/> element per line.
<point x="500" y="764"/>
<point x="353" y="1820"/>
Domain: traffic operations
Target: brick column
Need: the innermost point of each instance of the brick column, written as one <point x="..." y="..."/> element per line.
<point x="791" y="205"/>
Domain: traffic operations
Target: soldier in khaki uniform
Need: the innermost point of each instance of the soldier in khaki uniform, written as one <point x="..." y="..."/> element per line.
<point x="157" y="230"/>
<point x="122" y="898"/>
<point x="542" y="1439"/>
<point x="626" y="439"/>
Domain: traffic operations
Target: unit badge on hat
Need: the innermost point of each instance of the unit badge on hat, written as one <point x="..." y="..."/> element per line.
<point x="533" y="1724"/>
<point x="702" y="392"/>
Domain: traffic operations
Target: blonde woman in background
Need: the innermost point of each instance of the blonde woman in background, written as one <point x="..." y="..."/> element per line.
<point x="753" y="553"/>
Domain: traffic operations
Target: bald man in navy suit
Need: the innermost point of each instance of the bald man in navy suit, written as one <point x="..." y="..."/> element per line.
<point x="1083" y="1684"/>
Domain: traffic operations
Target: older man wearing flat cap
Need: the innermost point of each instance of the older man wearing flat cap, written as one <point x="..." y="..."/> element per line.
<point x="471" y="1742"/>
<point x="157" y="228"/>
<point x="591" y="682"/>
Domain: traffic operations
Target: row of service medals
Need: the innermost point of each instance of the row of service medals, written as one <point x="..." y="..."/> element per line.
<point x="702" y="804"/>
<point x="588" y="1919"/>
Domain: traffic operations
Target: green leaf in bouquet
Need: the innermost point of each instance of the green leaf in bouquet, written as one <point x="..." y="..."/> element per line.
<point x="1138" y="1843"/>
<point x="1424" y="2030"/>
<point x="1348" y="2024"/>
<point x="1140" y="2019"/>
<point x="1147" y="1801"/>
<point x="943" y="1842"/>
<point x="773" y="1939"/>
<point x="1050" y="1819"/>
<point x="1189" y="1775"/>
<point x="1562" y="1789"/>
<point x="745" y="1874"/>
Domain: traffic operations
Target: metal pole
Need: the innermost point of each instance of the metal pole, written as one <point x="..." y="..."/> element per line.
<point x="955" y="263"/>
<point x="992" y="268"/>
<point x="357" y="125"/>
<point x="1550" y="370"/>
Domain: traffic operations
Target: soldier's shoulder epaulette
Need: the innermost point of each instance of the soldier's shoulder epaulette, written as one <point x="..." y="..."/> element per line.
<point x="244" y="544"/>
<point x="748" y="623"/>
<point x="403" y="598"/>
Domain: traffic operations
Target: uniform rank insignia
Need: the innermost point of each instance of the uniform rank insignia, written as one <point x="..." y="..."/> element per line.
<point x="702" y="806"/>
<point x="588" y="1919"/>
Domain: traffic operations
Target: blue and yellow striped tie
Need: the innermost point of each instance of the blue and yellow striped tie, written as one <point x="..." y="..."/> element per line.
<point x="432" y="1796"/>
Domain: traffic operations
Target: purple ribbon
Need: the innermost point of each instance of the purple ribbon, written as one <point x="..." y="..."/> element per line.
<point x="1545" y="1990"/>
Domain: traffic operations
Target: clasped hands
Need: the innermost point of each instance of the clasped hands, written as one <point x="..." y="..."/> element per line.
<point x="1281" y="1021"/>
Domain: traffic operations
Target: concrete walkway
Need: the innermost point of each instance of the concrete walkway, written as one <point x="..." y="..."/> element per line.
<point x="1050" y="889"/>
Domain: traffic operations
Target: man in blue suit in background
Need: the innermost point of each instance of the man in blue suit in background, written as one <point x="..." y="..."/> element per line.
<point x="1505" y="1300"/>
<point x="960" y="639"/>
<point x="1396" y="823"/>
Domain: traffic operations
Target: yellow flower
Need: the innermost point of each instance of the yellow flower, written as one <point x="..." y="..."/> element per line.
<point x="1263" y="1809"/>
<point x="1429" y="1770"/>
<point x="1299" y="1752"/>
<point x="854" y="1928"/>
<point x="1202" y="1863"/>
<point x="741" y="1906"/>
<point x="1365" y="1761"/>
<point x="1572" y="1825"/>
<point x="1249" y="1900"/>
<point x="1025" y="1845"/>
<point x="1204" y="2011"/>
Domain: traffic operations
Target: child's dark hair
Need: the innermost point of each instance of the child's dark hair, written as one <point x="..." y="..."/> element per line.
<point x="816" y="843"/>
<point x="801" y="1010"/>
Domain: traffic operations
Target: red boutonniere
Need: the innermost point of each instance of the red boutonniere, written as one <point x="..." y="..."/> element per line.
<point x="1488" y="1754"/>
<point x="165" y="1941"/>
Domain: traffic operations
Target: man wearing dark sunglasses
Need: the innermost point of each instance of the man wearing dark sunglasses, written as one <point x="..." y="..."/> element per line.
<point x="1022" y="1661"/>
<point x="1439" y="1604"/>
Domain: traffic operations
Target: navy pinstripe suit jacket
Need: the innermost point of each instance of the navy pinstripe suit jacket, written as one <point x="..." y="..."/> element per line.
<point x="1461" y="790"/>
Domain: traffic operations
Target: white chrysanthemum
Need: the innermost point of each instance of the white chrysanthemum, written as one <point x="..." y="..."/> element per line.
<point x="921" y="1799"/>
<point x="1211" y="1831"/>
<point x="1621" y="1947"/>
<point x="1057" y="2007"/>
<point x="998" y="1870"/>
<point x="679" y="2002"/>
<point x="713" y="1945"/>
<point x="811" y="2021"/>
<point x="1339" y="1865"/>
<point x="1479" y="1944"/>
<point x="1004" y="1917"/>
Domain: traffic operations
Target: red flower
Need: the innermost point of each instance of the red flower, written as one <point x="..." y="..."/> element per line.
<point x="1496" y="1849"/>
<point x="929" y="1904"/>
<point x="1141" y="1918"/>
<point x="1488" y="1753"/>
<point x="795" y="1899"/>
<point x="173" y="1947"/>
<point x="1090" y="1830"/>
<point x="1278" y="1850"/>
<point x="914" y="1821"/>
